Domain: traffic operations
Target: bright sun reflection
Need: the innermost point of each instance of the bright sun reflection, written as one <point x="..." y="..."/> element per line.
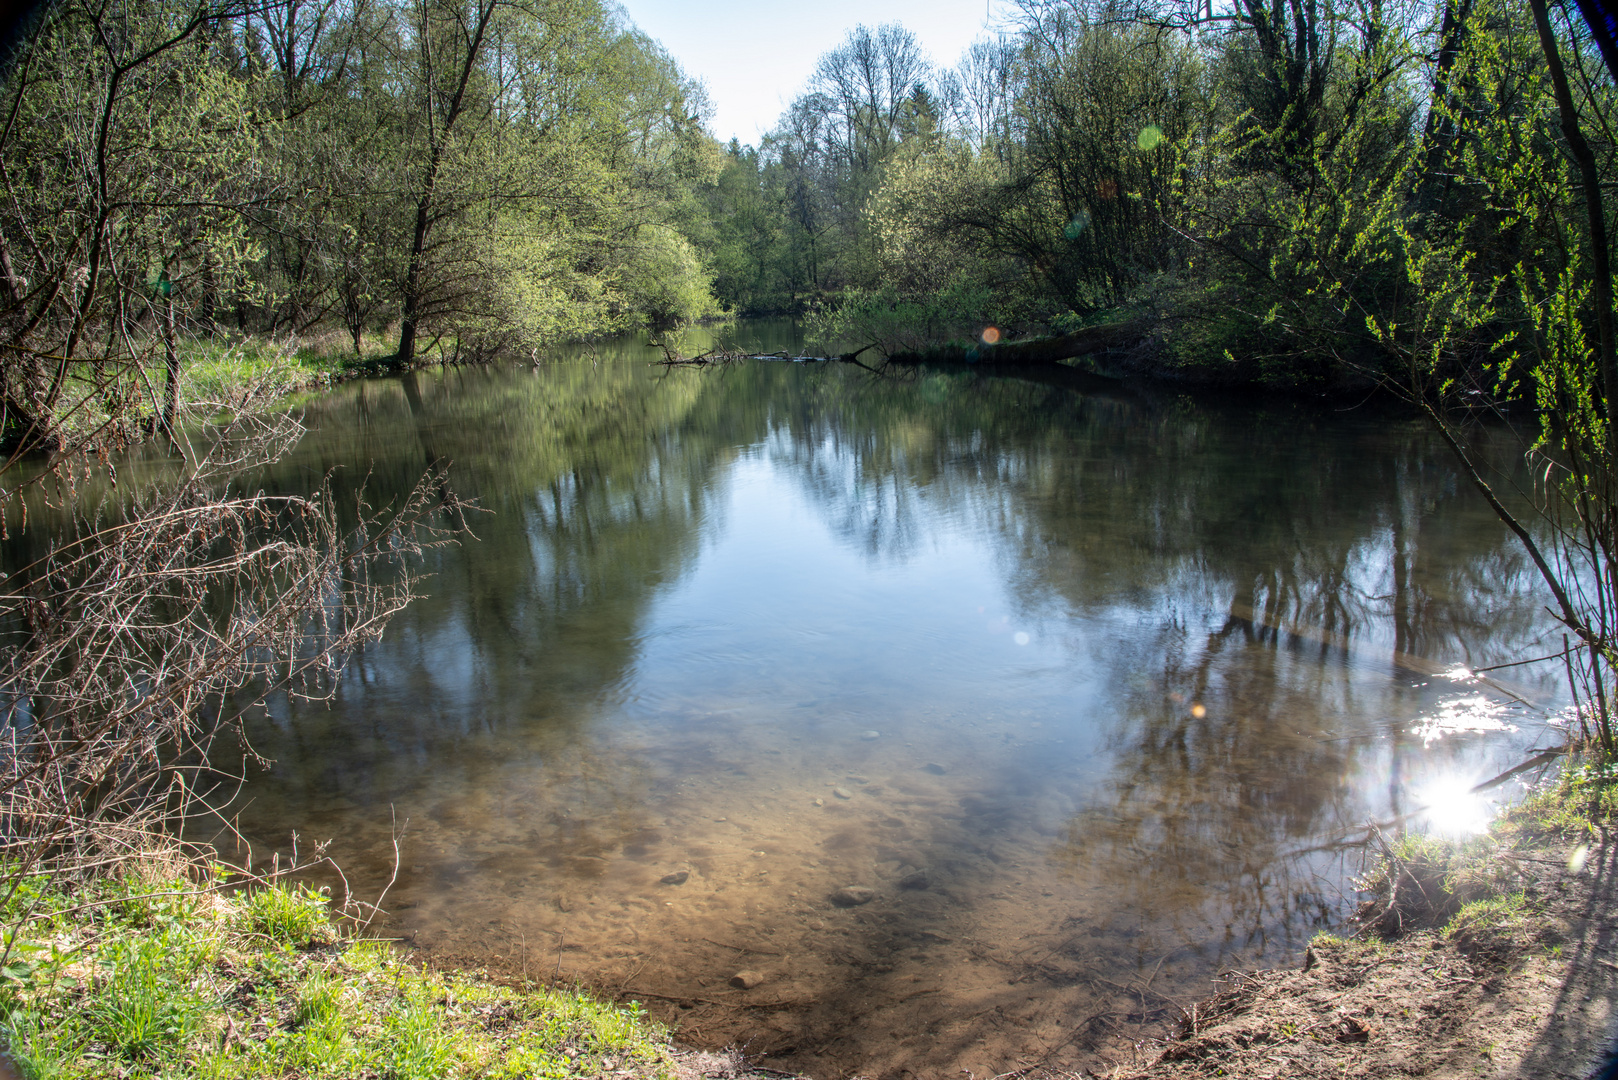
<point x="1449" y="808"/>
<point x="1475" y="713"/>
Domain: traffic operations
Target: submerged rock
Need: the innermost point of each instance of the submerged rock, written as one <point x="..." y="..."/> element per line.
<point x="842" y="793"/>
<point x="868" y="735"/>
<point x="746" y="980"/>
<point x="916" y="879"/>
<point x="935" y="768"/>
<point x="679" y="877"/>
<point x="853" y="896"/>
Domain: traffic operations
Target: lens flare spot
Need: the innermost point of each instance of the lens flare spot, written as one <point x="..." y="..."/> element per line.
<point x="1199" y="710"/>
<point x="1449" y="807"/>
<point x="1576" y="861"/>
<point x="990" y="335"/>
<point x="1150" y="136"/>
<point x="1107" y="189"/>
<point x="1076" y="227"/>
<point x="1021" y="637"/>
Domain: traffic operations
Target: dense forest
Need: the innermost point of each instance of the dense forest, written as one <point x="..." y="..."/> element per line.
<point x="1287" y="193"/>
<point x="498" y="173"/>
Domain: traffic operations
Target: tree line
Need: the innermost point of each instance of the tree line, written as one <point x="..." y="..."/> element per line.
<point x="489" y="174"/>
<point x="1279" y="191"/>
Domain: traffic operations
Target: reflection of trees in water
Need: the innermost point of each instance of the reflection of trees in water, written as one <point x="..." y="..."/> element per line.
<point x="596" y="497"/>
<point x="1281" y="556"/>
<point x="1288" y="559"/>
<point x="1286" y="523"/>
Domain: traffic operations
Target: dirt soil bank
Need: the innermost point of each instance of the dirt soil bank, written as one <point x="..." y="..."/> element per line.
<point x="1530" y="994"/>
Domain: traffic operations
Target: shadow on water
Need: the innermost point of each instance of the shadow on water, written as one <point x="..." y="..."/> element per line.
<point x="1079" y="682"/>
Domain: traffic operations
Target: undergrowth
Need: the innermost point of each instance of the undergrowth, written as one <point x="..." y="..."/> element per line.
<point x="1423" y="881"/>
<point x="218" y="370"/>
<point x="1575" y="806"/>
<point x="166" y="978"/>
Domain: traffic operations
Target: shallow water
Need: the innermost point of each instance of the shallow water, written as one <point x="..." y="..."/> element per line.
<point x="1112" y="669"/>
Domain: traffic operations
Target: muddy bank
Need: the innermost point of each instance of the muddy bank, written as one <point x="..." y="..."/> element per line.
<point x="1518" y="991"/>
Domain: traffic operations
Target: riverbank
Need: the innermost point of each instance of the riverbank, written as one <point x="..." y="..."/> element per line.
<point x="154" y="974"/>
<point x="1520" y="982"/>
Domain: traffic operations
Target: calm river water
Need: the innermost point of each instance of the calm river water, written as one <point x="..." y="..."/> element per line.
<point x="1080" y="682"/>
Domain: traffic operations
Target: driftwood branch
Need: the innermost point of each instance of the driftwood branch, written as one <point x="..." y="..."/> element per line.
<point x="1086" y="342"/>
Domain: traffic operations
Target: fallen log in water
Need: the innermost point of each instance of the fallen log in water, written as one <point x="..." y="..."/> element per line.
<point x="1085" y="342"/>
<point x="671" y="358"/>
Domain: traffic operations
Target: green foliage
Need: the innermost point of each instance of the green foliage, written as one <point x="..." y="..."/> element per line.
<point x="1576" y="806"/>
<point x="492" y="176"/>
<point x="898" y="324"/>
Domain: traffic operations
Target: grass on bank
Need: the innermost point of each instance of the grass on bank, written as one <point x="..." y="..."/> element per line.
<point x="156" y="978"/>
<point x="220" y="369"/>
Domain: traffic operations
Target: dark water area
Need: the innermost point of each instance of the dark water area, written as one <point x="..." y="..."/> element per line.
<point x="1080" y="681"/>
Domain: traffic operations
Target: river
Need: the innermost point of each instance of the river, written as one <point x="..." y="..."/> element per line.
<point x="1080" y="681"/>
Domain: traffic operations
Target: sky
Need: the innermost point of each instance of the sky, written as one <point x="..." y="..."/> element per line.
<point x="755" y="56"/>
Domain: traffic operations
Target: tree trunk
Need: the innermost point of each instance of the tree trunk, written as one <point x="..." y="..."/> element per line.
<point x="438" y="138"/>
<point x="171" y="368"/>
<point x="412" y="284"/>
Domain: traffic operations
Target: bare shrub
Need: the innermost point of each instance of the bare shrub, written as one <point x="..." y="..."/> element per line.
<point x="144" y="632"/>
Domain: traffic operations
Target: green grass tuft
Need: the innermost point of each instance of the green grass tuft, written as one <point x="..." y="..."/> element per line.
<point x="1488" y="915"/>
<point x="167" y="981"/>
<point x="288" y="915"/>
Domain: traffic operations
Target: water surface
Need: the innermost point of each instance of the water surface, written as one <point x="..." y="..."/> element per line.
<point x="1081" y="681"/>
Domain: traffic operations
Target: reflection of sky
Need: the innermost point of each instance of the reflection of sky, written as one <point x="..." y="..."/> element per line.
<point x="778" y="605"/>
<point x="1473" y="714"/>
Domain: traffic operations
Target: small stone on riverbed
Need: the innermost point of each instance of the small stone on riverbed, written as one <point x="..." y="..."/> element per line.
<point x="746" y="980"/>
<point x="853" y="896"/>
<point x="917" y="879"/>
<point x="842" y="793"/>
<point x="869" y="735"/>
<point x="935" y="768"/>
<point x="679" y="877"/>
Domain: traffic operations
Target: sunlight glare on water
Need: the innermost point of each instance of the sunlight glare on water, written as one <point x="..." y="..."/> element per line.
<point x="1472" y="714"/>
<point x="1450" y="808"/>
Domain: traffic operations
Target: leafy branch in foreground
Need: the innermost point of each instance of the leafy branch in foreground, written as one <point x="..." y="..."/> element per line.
<point x="1465" y="322"/>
